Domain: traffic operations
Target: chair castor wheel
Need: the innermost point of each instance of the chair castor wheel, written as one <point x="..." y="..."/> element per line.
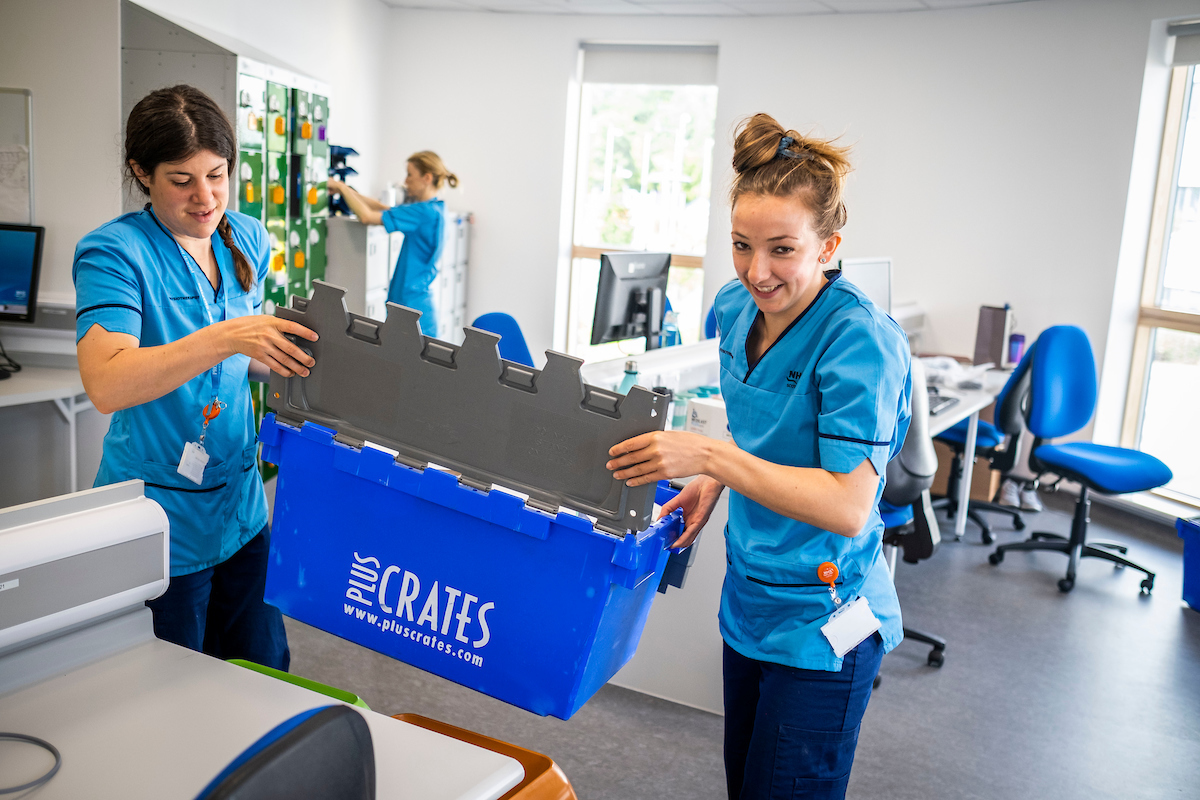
<point x="875" y="683"/>
<point x="1018" y="524"/>
<point x="936" y="658"/>
<point x="988" y="538"/>
<point x="1066" y="584"/>
<point x="1147" y="585"/>
<point x="996" y="557"/>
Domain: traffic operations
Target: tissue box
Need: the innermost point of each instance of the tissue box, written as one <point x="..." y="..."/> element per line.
<point x="706" y="416"/>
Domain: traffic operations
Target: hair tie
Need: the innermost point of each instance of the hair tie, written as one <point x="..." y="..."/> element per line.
<point x="782" y="150"/>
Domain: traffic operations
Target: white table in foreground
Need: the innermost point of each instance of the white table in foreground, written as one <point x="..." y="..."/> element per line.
<point x="156" y="720"/>
<point x="61" y="385"/>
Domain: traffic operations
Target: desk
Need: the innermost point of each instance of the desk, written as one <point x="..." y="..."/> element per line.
<point x="64" y="386"/>
<point x="968" y="407"/>
<point x="148" y="719"/>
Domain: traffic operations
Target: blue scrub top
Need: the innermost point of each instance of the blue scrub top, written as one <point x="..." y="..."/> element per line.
<point x="423" y="225"/>
<point x="832" y="391"/>
<point x="132" y="277"/>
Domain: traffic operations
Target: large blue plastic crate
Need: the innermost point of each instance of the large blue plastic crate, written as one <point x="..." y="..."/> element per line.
<point x="1189" y="531"/>
<point x="535" y="609"/>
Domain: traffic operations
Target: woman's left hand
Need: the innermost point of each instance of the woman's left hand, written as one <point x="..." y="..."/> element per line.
<point x="660" y="455"/>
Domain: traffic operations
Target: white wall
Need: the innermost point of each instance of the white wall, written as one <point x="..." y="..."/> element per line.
<point x="993" y="144"/>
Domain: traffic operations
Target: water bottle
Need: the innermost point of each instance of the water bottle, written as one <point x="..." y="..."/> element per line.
<point x="670" y="331"/>
<point x="631" y="378"/>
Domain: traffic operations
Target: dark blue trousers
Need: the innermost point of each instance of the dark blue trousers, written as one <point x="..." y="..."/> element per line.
<point x="220" y="610"/>
<point x="791" y="733"/>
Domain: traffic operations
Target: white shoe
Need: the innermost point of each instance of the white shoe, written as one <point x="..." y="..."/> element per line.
<point x="1010" y="493"/>
<point x="1030" y="500"/>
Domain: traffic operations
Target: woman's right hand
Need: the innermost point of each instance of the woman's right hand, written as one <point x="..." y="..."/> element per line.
<point x="262" y="338"/>
<point x="698" y="499"/>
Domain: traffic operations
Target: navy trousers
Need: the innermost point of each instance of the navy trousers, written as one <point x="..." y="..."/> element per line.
<point x="791" y="733"/>
<point x="220" y="610"/>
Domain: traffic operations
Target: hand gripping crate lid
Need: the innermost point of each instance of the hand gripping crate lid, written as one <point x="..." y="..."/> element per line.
<point x="535" y="609"/>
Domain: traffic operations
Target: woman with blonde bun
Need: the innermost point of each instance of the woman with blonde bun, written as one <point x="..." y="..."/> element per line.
<point x="816" y="383"/>
<point x="421" y="219"/>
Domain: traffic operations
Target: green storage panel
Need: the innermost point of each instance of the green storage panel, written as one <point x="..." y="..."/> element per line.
<point x="297" y="258"/>
<point x="320" y="119"/>
<point x="276" y="198"/>
<point x="316" y="250"/>
<point x="303" y="129"/>
<point x="252" y="111"/>
<point x="249" y="184"/>
<point x="276" y="289"/>
<point x="278" y="111"/>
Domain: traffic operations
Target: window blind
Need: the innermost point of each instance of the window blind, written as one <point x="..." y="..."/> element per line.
<point x="651" y="64"/>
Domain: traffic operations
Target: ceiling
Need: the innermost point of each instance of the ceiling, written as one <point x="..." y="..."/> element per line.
<point x="694" y="8"/>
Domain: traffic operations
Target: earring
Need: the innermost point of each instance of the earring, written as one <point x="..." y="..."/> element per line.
<point x="822" y="260"/>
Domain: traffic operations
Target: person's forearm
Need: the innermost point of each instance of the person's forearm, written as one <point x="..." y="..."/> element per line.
<point x="136" y="375"/>
<point x="362" y="209"/>
<point x="826" y="500"/>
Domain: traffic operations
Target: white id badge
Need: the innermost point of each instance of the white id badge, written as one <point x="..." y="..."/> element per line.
<point x="191" y="466"/>
<point x="849" y="626"/>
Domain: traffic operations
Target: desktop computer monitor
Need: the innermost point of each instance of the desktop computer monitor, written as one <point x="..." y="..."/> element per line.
<point x="631" y="297"/>
<point x="20" y="263"/>
<point x="873" y="276"/>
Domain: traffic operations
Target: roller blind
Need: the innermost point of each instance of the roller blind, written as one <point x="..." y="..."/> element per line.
<point x="652" y="64"/>
<point x="1187" y="42"/>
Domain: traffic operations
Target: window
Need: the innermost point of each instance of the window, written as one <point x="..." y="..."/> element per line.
<point x="644" y="178"/>
<point x="1164" y="387"/>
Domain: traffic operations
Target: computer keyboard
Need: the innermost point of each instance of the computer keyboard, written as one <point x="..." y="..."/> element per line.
<point x="939" y="403"/>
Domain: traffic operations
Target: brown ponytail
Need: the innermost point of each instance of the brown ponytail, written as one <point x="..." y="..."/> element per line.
<point x="170" y="125"/>
<point x="241" y="266"/>
<point x="428" y="162"/>
<point x="813" y="169"/>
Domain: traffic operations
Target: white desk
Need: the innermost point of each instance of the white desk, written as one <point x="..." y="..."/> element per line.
<point x="149" y="719"/>
<point x="64" y="387"/>
<point x="968" y="407"/>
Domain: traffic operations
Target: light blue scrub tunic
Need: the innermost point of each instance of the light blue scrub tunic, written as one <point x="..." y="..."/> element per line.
<point x="832" y="391"/>
<point x="132" y="277"/>
<point x="422" y="225"/>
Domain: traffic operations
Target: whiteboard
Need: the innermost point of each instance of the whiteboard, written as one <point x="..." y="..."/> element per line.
<point x="16" y="156"/>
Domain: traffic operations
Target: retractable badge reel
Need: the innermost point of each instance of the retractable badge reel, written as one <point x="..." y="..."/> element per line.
<point x="191" y="465"/>
<point x="850" y="623"/>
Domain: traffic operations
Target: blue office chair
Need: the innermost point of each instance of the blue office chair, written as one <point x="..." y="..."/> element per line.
<point x="512" y="341"/>
<point x="909" y="523"/>
<point x="998" y="443"/>
<point x="710" y="323"/>
<point x="1062" y="397"/>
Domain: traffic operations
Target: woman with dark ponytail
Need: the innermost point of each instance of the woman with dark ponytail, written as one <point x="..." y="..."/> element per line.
<point x="422" y="221"/>
<point x="168" y="332"/>
<point x="816" y="385"/>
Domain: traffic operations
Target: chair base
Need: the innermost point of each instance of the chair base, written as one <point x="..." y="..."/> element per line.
<point x="1076" y="547"/>
<point x="950" y="504"/>
<point x="937" y="656"/>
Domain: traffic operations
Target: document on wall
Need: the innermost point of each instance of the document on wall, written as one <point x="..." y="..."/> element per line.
<point x="15" y="205"/>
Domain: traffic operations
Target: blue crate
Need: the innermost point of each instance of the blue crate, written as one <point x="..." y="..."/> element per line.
<point x="1189" y="531"/>
<point x="534" y="609"/>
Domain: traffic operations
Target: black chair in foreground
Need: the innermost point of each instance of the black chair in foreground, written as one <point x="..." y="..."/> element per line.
<point x="1062" y="397"/>
<point x="909" y="523"/>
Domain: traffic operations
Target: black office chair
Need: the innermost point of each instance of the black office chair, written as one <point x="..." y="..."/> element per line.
<point x="909" y="524"/>
<point x="999" y="443"/>
<point x="1060" y="398"/>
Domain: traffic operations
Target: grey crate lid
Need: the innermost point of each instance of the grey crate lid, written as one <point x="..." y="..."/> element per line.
<point x="543" y="433"/>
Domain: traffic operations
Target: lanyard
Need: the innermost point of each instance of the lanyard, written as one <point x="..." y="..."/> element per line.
<point x="194" y="270"/>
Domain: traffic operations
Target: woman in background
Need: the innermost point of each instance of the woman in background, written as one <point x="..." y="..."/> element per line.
<point x="169" y="332"/>
<point x="816" y="384"/>
<point x="422" y="221"/>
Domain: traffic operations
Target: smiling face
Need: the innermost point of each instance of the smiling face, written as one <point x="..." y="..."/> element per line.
<point x="776" y="254"/>
<point x="189" y="196"/>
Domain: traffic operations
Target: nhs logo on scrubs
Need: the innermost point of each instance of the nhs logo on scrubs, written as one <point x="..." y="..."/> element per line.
<point x="793" y="378"/>
<point x="433" y="615"/>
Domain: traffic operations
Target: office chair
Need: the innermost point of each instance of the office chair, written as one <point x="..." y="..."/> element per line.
<point x="1061" y="400"/>
<point x="512" y="341"/>
<point x="909" y="523"/>
<point x="710" y="323"/>
<point x="998" y="443"/>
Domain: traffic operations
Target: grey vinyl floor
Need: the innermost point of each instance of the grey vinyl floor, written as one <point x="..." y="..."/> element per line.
<point x="1094" y="694"/>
